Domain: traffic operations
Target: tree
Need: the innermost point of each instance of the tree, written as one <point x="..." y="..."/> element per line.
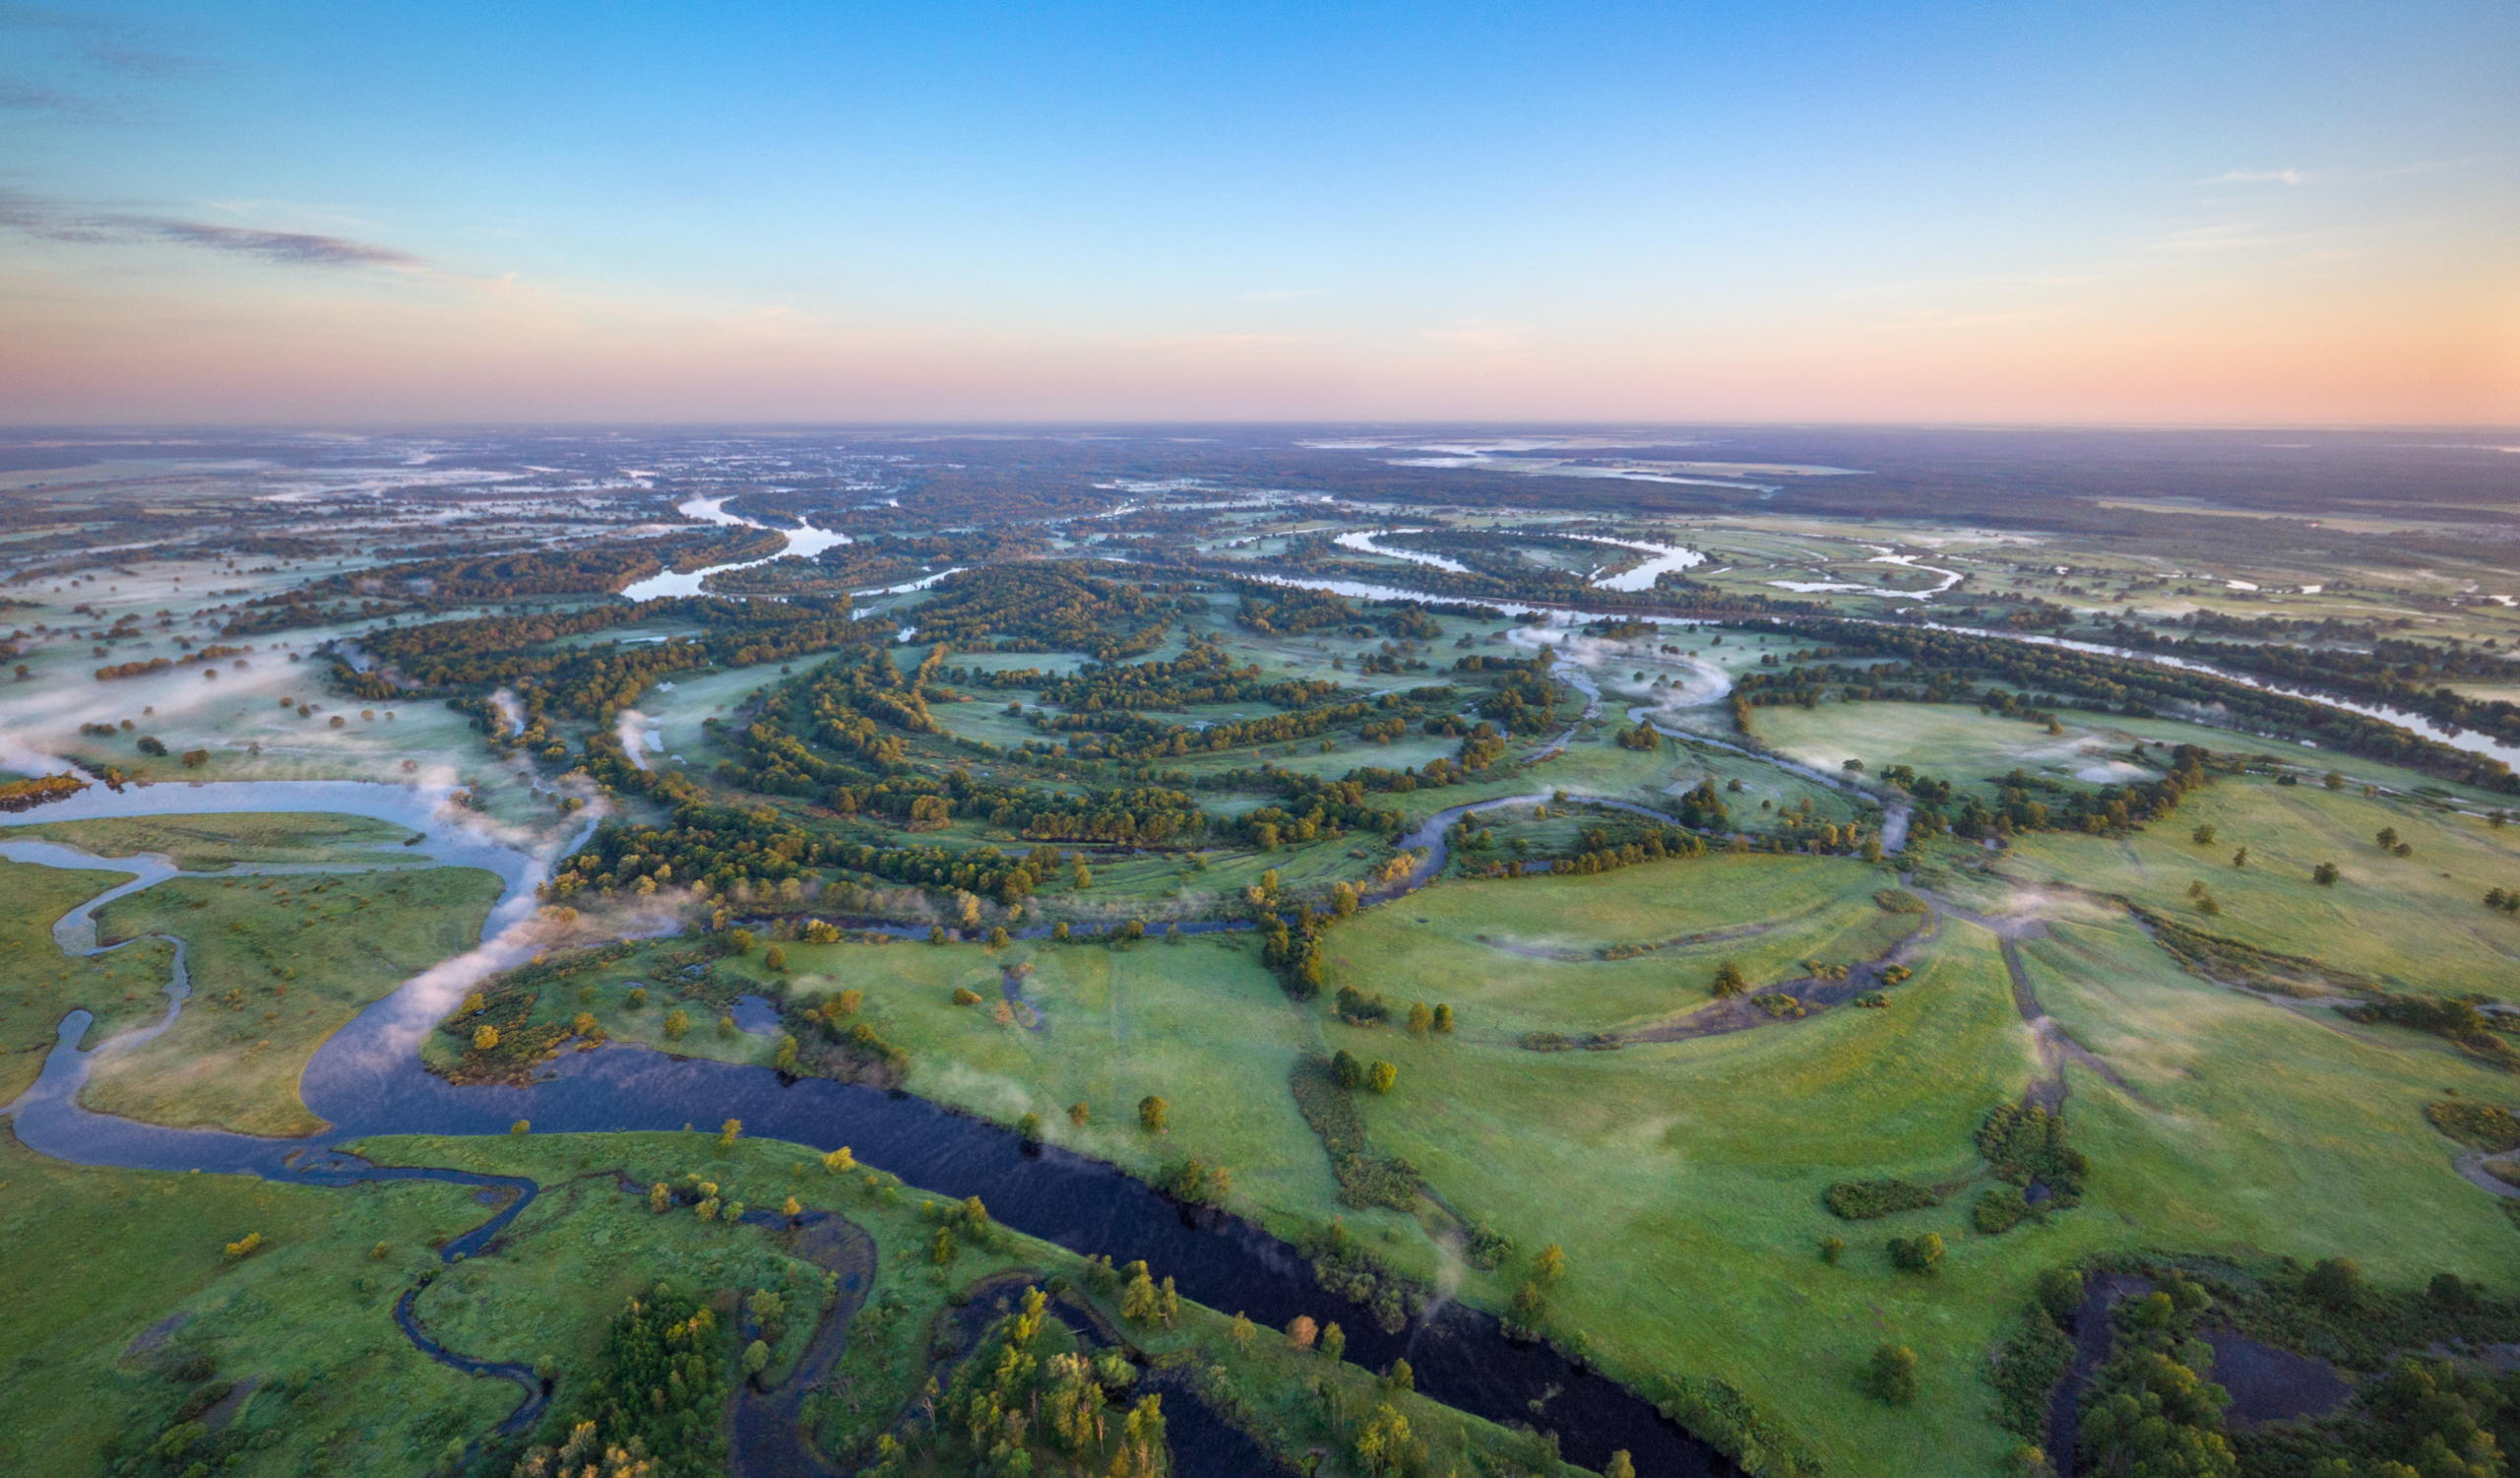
<point x="521" y="1127"/>
<point x="776" y="959"/>
<point x="728" y="1132"/>
<point x="1727" y="980"/>
<point x="2060" y="1292"/>
<point x="1079" y="1114"/>
<point x="756" y="1358"/>
<point x="1346" y="1070"/>
<point x="942" y="1251"/>
<point x="1892" y="1375"/>
<point x="1832" y="1249"/>
<point x="1334" y="1342"/>
<point x="1549" y="1267"/>
<point x="1384" y="1446"/>
<point x="1140" y="1301"/>
<point x="485" y="1038"/>
<point x="739" y="940"/>
<point x="2203" y="836"/>
<point x="1153" y="1114"/>
<point x="677" y="1021"/>
<point x="1301" y="1331"/>
<point x="1421" y="1018"/>
<point x="839" y="1160"/>
<point x="1241" y="1331"/>
<point x="1921" y="1254"/>
<point x="2337" y="1282"/>
<point x="1382" y="1077"/>
<point x="661" y="1198"/>
<point x="2324" y="875"/>
<point x="1621" y="1465"/>
<point x="1443" y="1019"/>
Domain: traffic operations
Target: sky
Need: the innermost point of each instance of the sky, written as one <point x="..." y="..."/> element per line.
<point x="250" y="212"/>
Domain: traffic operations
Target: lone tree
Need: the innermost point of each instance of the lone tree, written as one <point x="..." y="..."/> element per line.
<point x="1154" y="1114"/>
<point x="1892" y="1375"/>
<point x="2324" y="875"/>
<point x="1727" y="980"/>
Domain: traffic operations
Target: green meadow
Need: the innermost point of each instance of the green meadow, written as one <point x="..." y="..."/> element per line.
<point x="278" y="964"/>
<point x="2414" y="923"/>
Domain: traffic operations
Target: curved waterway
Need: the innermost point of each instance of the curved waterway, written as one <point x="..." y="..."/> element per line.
<point x="803" y="540"/>
<point x="367" y="1080"/>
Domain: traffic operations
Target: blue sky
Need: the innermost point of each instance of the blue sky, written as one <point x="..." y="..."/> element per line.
<point x="1931" y="212"/>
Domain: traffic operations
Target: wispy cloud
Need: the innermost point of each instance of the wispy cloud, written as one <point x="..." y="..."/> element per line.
<point x="32" y="97"/>
<point x="2258" y="177"/>
<point x="97" y="54"/>
<point x="54" y="220"/>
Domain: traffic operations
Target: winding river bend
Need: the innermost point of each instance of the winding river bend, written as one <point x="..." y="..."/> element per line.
<point x="368" y="1080"/>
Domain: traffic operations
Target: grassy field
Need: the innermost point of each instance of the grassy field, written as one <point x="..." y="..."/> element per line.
<point x="1518" y="957"/>
<point x="1684" y="1180"/>
<point x="99" y="1258"/>
<point x="2264" y="1129"/>
<point x="278" y="965"/>
<point x="40" y="984"/>
<point x="1684" y="1183"/>
<point x="1950" y="742"/>
<point x="2413" y="922"/>
<point x="210" y="843"/>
